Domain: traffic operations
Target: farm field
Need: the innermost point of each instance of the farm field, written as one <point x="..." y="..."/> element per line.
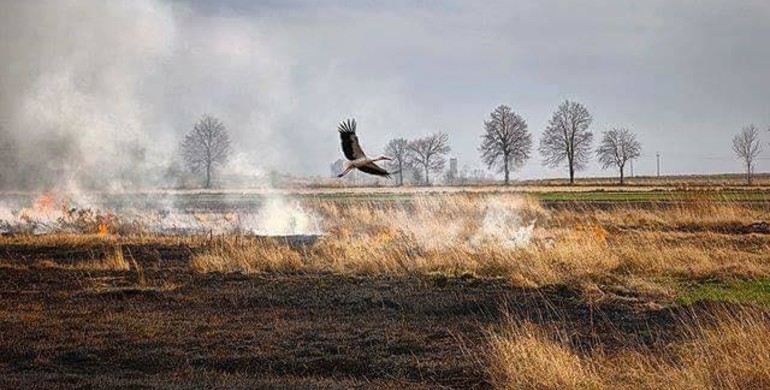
<point x="459" y="289"/>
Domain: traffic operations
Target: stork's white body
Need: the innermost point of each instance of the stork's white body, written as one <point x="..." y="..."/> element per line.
<point x="349" y="165"/>
<point x="356" y="158"/>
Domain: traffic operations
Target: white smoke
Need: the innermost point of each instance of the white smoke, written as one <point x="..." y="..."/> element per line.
<point x="97" y="95"/>
<point x="504" y="223"/>
<point x="437" y="223"/>
<point x="277" y="217"/>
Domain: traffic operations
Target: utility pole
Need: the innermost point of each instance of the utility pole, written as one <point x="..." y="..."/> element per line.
<point x="657" y="155"/>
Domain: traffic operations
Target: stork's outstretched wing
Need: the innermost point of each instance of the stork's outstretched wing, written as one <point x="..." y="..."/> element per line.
<point x="374" y="169"/>
<point x="349" y="139"/>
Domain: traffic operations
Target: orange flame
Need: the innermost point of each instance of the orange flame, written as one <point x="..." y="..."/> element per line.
<point x="103" y="229"/>
<point x="46" y="202"/>
<point x="49" y="202"/>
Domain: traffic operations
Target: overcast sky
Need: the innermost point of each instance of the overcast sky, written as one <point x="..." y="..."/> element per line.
<point x="684" y="75"/>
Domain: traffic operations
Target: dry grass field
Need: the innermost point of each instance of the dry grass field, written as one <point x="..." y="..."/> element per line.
<point x="461" y="290"/>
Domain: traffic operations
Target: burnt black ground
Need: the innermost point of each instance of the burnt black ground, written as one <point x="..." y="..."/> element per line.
<point x="98" y="329"/>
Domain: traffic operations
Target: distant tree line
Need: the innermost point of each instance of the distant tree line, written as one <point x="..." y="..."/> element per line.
<point x="421" y="156"/>
<point x="567" y="140"/>
<point x="506" y="145"/>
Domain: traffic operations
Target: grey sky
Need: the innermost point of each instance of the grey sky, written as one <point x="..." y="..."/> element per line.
<point x="686" y="76"/>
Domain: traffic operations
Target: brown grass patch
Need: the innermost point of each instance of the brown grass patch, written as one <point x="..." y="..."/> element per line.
<point x="728" y="351"/>
<point x="112" y="260"/>
<point x="247" y="257"/>
<point x="508" y="236"/>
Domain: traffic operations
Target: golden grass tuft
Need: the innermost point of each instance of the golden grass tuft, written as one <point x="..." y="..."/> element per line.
<point x="526" y="358"/>
<point x="729" y="351"/>
<point x="733" y="354"/>
<point x="248" y="257"/>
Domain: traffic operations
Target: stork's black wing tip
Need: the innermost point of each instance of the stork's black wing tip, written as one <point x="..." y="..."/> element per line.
<point x="347" y="126"/>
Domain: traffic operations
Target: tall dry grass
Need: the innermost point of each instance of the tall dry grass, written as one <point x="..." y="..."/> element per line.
<point x="697" y="214"/>
<point x="492" y="234"/>
<point x="112" y="259"/>
<point x="261" y="256"/>
<point x="730" y="351"/>
<point x="511" y="236"/>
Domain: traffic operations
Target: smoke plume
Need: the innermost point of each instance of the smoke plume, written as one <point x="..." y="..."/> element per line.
<point x="96" y="95"/>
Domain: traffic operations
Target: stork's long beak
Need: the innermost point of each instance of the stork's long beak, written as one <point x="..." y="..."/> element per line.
<point x="386" y="158"/>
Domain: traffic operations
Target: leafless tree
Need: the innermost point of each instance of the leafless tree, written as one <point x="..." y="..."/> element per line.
<point x="567" y="138"/>
<point x="398" y="150"/>
<point x="746" y="146"/>
<point x="618" y="147"/>
<point x="428" y="153"/>
<point x="206" y="146"/>
<point x="506" y="142"/>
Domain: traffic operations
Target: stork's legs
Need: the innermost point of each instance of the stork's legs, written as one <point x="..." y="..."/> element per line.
<point x="345" y="172"/>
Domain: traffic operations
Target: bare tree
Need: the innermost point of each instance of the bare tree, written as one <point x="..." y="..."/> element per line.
<point x="506" y="142"/>
<point x="746" y="146"/>
<point x="567" y="138"/>
<point x="618" y="147"/>
<point x="206" y="146"/>
<point x="398" y="150"/>
<point x="428" y="153"/>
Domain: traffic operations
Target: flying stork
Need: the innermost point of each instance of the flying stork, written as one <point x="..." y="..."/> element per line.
<point x="355" y="155"/>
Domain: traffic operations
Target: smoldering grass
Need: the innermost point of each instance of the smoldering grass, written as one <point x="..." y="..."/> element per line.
<point x="451" y="234"/>
<point x="496" y="235"/>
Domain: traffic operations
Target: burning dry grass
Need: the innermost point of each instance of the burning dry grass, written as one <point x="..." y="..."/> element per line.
<point x="510" y="236"/>
<point x="729" y="351"/>
<point x="495" y="235"/>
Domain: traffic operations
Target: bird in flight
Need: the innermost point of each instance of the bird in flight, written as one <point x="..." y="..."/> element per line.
<point x="355" y="155"/>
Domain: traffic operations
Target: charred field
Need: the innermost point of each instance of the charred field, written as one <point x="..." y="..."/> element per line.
<point x="460" y="290"/>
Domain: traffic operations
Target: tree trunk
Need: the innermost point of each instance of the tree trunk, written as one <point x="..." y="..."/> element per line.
<point x="748" y="173"/>
<point x="505" y="168"/>
<point x="621" y="175"/>
<point x="571" y="174"/>
<point x="208" y="176"/>
<point x="427" y="179"/>
<point x="400" y="174"/>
